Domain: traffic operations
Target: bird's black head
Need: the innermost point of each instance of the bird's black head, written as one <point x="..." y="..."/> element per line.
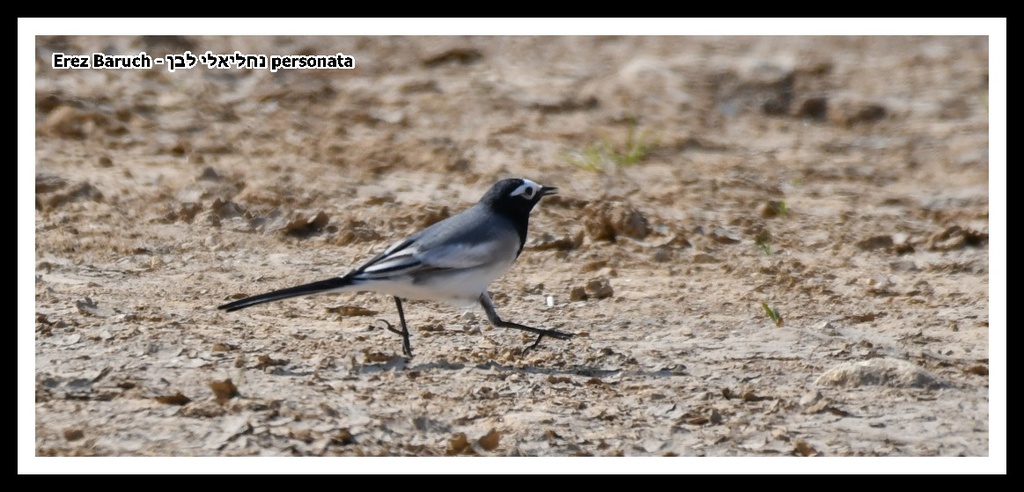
<point x="514" y="198"/>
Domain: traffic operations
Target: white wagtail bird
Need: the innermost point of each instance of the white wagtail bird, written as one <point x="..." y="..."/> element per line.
<point x="453" y="260"/>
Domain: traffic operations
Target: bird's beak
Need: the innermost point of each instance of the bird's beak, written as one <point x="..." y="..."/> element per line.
<point x="548" y="190"/>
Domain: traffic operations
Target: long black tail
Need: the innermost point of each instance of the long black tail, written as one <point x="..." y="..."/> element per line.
<point x="297" y="291"/>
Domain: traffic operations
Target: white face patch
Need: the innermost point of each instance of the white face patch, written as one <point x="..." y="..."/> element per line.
<point x="528" y="189"/>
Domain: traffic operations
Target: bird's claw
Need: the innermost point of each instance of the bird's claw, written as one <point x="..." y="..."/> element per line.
<point x="406" y="348"/>
<point x="388" y="326"/>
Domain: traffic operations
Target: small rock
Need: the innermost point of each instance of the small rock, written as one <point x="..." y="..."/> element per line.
<point x="599" y="288"/>
<point x="815" y="108"/>
<point x="875" y="242"/>
<point x="955" y="237"/>
<point x="662" y="255"/>
<point x="73" y="434"/>
<point x="810" y="398"/>
<point x="209" y="174"/>
<point x="723" y="236"/>
<point x="225" y="209"/>
<point x="772" y="208"/>
<point x="849" y="110"/>
<point x="455" y="55"/>
<point x="879" y="371"/>
<point x="612" y="219"/>
<point x="303" y="226"/>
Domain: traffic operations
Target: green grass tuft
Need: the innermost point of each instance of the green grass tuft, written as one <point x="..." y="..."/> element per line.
<point x="608" y="155"/>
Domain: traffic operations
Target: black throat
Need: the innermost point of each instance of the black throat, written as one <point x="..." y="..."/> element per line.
<point x="518" y="212"/>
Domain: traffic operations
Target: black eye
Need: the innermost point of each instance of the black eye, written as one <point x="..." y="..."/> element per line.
<point x="528" y="192"/>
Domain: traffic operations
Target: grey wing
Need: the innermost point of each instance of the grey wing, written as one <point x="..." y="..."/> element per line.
<point x="469" y="240"/>
<point x="495" y="249"/>
<point x="448" y="244"/>
<point x="399" y="259"/>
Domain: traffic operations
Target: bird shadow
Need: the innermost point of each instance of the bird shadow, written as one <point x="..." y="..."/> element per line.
<point x="399" y="363"/>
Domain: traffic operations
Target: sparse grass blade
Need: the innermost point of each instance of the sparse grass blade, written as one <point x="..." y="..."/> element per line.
<point x="772" y="313"/>
<point x="764" y="241"/>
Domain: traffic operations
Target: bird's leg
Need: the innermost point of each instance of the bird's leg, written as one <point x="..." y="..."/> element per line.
<point x="406" y="347"/>
<point x="492" y="316"/>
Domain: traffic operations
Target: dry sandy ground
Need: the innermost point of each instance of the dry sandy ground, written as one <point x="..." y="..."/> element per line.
<point x="842" y="182"/>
